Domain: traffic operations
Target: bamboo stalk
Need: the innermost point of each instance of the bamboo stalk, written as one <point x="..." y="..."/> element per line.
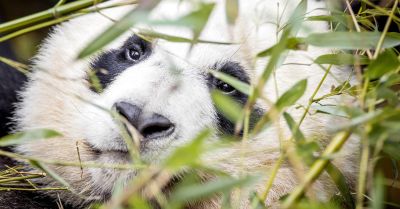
<point x="75" y="164"/>
<point x="317" y="168"/>
<point x="47" y="14"/>
<point x="22" y="178"/>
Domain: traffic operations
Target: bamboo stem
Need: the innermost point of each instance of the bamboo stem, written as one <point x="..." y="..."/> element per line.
<point x="317" y="168"/>
<point x="22" y="178"/>
<point x="385" y="30"/>
<point x="75" y="164"/>
<point x="45" y="15"/>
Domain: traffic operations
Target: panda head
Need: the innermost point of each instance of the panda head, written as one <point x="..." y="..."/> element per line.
<point x="159" y="88"/>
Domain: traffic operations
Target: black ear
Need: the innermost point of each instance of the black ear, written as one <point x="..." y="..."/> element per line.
<point x="11" y="81"/>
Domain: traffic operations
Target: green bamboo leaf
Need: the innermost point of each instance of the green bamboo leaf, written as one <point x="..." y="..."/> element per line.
<point x="297" y="18"/>
<point x="291" y="43"/>
<point x="202" y="190"/>
<point x="189" y="154"/>
<point x="292" y="95"/>
<point x="352" y="40"/>
<point x="371" y="117"/>
<point x="50" y="172"/>
<point x="298" y="135"/>
<point x="28" y="136"/>
<point x="234" y="82"/>
<point x="341" y="183"/>
<point x="195" y="20"/>
<point x="229" y="107"/>
<point x="232" y="10"/>
<point x="149" y="34"/>
<point x="306" y="204"/>
<point x="342" y="59"/>
<point x="386" y="62"/>
<point x="140" y="13"/>
<point x="331" y="110"/>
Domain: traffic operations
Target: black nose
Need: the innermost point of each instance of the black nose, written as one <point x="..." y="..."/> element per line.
<point x="150" y="126"/>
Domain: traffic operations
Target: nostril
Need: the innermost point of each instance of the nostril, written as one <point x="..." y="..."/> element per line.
<point x="154" y="131"/>
<point x="156" y="127"/>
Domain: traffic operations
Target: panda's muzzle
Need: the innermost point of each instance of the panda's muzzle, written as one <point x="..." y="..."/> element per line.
<point x="149" y="125"/>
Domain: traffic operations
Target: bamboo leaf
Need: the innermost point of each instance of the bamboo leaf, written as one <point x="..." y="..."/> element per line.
<point x="234" y="82"/>
<point x="49" y="172"/>
<point x="140" y="13"/>
<point x="195" y="20"/>
<point x="292" y="95"/>
<point x="331" y="110"/>
<point x="298" y="135"/>
<point x="340" y="181"/>
<point x="342" y="59"/>
<point x="232" y="10"/>
<point x="352" y="40"/>
<point x="222" y="184"/>
<point x="229" y="107"/>
<point x="189" y="154"/>
<point x="386" y="62"/>
<point x="28" y="136"/>
<point x="153" y="34"/>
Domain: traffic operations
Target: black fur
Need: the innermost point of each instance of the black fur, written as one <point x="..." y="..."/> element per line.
<point x="112" y="63"/>
<point x="11" y="81"/>
<point x="234" y="69"/>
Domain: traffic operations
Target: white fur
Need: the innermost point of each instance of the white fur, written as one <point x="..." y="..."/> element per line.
<point x="169" y="83"/>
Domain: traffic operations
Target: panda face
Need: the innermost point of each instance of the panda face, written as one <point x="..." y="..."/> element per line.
<point x="167" y="100"/>
<point x="160" y="88"/>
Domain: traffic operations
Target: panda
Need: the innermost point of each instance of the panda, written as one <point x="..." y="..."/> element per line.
<point x="163" y="90"/>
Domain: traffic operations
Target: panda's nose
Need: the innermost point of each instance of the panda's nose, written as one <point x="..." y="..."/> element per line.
<point x="150" y="126"/>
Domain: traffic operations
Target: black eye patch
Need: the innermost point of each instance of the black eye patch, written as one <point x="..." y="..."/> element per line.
<point x="113" y="62"/>
<point x="233" y="69"/>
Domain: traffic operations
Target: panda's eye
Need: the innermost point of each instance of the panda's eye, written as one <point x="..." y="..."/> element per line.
<point x="225" y="88"/>
<point x="133" y="53"/>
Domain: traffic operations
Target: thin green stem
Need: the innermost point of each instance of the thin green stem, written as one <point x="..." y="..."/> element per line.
<point x="272" y="176"/>
<point x="17" y="65"/>
<point x="385" y="30"/>
<point x="19" y="178"/>
<point x="311" y="100"/>
<point x="75" y="164"/>
<point x="35" y="189"/>
<point x="363" y="173"/>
